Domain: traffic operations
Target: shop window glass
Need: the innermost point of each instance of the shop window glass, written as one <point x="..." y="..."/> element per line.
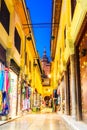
<point x="14" y="66"/>
<point x="17" y="40"/>
<point x="4" y="15"/>
<point x="83" y="71"/>
<point x="73" y="4"/>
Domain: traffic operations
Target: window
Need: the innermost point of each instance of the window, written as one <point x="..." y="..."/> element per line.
<point x="4" y="15"/>
<point x="26" y="58"/>
<point x="17" y="40"/>
<point x="73" y="4"/>
<point x="60" y="53"/>
<point x="29" y="66"/>
<point x="2" y="54"/>
<point x="0" y="5"/>
<point x="65" y="37"/>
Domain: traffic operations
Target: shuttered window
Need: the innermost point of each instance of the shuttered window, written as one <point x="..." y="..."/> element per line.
<point x="17" y="40"/>
<point x="73" y="4"/>
<point x="4" y="15"/>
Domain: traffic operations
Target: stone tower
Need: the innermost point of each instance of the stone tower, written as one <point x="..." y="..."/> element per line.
<point x="45" y="64"/>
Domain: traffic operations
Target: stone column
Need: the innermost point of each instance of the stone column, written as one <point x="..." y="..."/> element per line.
<point x="78" y="85"/>
<point x="8" y="57"/>
<point x="66" y="93"/>
<point x="61" y="93"/>
<point x="72" y="85"/>
<point x="8" y="61"/>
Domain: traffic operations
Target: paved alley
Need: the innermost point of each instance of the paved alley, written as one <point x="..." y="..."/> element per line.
<point x="46" y="121"/>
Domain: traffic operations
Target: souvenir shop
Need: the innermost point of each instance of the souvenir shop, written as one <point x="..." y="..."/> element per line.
<point x="26" y="93"/>
<point x="4" y="84"/>
<point x="13" y="91"/>
<point x="36" y="100"/>
<point x="13" y="94"/>
<point x="81" y="73"/>
<point x="8" y="87"/>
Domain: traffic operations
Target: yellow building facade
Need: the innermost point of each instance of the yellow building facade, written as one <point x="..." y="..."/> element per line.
<point x="17" y="55"/>
<point x="69" y="56"/>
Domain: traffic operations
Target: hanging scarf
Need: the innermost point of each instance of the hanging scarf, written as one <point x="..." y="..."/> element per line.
<point x="6" y="82"/>
<point x="5" y="110"/>
<point x="1" y="80"/>
<point x="1" y="101"/>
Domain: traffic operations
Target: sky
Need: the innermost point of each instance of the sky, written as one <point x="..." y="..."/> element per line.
<point x="41" y="12"/>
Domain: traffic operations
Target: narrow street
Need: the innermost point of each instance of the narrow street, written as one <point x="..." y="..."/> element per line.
<point x="47" y="121"/>
<point x="43" y="65"/>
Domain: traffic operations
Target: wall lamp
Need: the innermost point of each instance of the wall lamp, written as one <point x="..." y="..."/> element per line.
<point x="29" y="37"/>
<point x="35" y="63"/>
<point x="52" y="37"/>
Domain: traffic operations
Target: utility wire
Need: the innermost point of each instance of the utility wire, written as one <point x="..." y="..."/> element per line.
<point x="41" y="25"/>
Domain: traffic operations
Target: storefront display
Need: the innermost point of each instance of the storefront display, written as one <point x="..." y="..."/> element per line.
<point x="83" y="72"/>
<point x="4" y="90"/>
<point x="19" y="96"/>
<point x="26" y="92"/>
<point x="13" y="94"/>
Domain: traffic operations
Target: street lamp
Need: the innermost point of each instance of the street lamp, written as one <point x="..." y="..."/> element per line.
<point x="49" y="76"/>
<point x="28" y="37"/>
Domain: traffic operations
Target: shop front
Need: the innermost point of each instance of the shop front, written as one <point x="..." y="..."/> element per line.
<point x="4" y="85"/>
<point x="8" y="90"/>
<point x="4" y="90"/>
<point x="13" y="93"/>
<point x="61" y="95"/>
<point x="26" y="93"/>
<point x="81" y="50"/>
<point x="36" y="100"/>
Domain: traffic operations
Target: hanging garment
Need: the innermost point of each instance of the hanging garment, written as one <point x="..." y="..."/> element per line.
<point x="1" y="79"/>
<point x="28" y="104"/>
<point x="27" y="92"/>
<point x="7" y="82"/>
<point x="1" y="101"/>
<point x="5" y="110"/>
<point x="23" y="88"/>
